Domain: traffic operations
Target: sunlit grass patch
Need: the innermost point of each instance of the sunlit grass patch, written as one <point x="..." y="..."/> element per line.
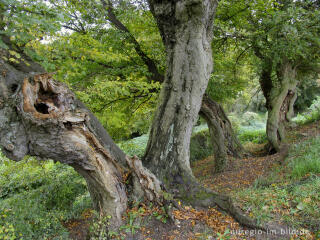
<point x="305" y="159"/>
<point x="311" y="115"/>
<point x="291" y="192"/>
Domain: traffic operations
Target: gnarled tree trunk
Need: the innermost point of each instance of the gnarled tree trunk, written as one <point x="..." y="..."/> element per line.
<point x="280" y="97"/>
<point x="41" y="117"/>
<point x="186" y="29"/>
<point x="216" y="117"/>
<point x="223" y="138"/>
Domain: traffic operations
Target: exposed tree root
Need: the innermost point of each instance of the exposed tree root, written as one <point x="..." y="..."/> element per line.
<point x="226" y="204"/>
<point x="199" y="196"/>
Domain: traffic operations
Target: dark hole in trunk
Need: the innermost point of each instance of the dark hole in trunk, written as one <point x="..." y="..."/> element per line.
<point x="42" y="108"/>
<point x="48" y="95"/>
<point x="68" y="125"/>
<point x="135" y="134"/>
<point x="14" y="88"/>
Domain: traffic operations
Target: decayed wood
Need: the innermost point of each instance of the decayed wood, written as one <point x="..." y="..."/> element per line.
<point x="43" y="118"/>
<point x="280" y="100"/>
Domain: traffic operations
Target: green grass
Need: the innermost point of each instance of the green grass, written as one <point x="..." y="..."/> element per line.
<point x="311" y="115"/>
<point x="291" y="193"/>
<point x="305" y="158"/>
<point x="135" y="146"/>
<point x="298" y="206"/>
<point x="200" y="146"/>
<point x="257" y="136"/>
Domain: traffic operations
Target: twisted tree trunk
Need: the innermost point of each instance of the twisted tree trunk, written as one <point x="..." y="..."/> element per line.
<point x="223" y="138"/>
<point x="215" y="117"/>
<point x="280" y="97"/>
<point x="186" y="29"/>
<point x="41" y="117"/>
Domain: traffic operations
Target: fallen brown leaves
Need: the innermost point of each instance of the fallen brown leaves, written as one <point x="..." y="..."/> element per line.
<point x="217" y="221"/>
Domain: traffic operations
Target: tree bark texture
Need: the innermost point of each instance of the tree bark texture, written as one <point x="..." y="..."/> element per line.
<point x="42" y="117"/>
<point x="186" y="30"/>
<point x="280" y="97"/>
<point x="232" y="146"/>
<point x="223" y="138"/>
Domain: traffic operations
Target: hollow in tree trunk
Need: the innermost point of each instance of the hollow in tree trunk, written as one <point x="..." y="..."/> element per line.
<point x="280" y="97"/>
<point x="41" y="117"/>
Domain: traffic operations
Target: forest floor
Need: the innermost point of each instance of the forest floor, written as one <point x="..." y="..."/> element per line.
<point x="147" y="222"/>
<point x="243" y="172"/>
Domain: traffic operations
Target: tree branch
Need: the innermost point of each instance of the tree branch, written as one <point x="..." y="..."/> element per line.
<point x="151" y="65"/>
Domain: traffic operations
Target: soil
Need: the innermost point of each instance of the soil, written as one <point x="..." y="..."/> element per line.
<point x="205" y="223"/>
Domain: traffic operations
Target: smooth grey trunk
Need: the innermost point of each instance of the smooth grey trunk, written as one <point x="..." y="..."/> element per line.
<point x="186" y="29"/>
<point x="223" y="138"/>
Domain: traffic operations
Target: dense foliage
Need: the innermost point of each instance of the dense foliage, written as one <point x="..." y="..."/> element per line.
<point x="103" y="57"/>
<point x="35" y="197"/>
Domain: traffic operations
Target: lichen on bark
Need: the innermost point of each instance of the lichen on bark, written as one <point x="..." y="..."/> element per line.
<point x="186" y="30"/>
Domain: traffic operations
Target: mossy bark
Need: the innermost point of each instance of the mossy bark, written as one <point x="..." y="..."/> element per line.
<point x="280" y="97"/>
<point x="232" y="145"/>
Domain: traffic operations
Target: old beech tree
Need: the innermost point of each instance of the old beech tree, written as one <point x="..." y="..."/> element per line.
<point x="223" y="138"/>
<point x="42" y="117"/>
<point x="287" y="50"/>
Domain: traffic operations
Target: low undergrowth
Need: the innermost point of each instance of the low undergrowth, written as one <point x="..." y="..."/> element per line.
<point x="311" y="115"/>
<point x="36" y="198"/>
<point x="291" y="192"/>
<point x="200" y="146"/>
<point x="304" y="159"/>
<point x="257" y="136"/>
<point x="250" y="128"/>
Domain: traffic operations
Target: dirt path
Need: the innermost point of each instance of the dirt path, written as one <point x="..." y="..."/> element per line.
<point x="242" y="173"/>
<point x="195" y="224"/>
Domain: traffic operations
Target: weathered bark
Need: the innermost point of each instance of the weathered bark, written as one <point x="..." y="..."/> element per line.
<point x="186" y="29"/>
<point x="292" y="97"/>
<point x="280" y="97"/>
<point x="223" y="138"/>
<point x="217" y="115"/>
<point x="41" y="117"/>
